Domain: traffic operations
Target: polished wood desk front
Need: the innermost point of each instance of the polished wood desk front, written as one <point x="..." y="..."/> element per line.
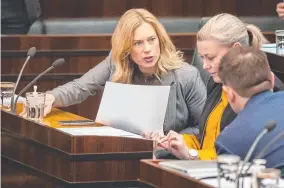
<point x="153" y="175"/>
<point x="39" y="155"/>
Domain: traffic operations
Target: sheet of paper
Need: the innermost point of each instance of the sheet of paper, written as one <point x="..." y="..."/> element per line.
<point x="134" y="108"/>
<point x="98" y="131"/>
<point x="269" y="48"/>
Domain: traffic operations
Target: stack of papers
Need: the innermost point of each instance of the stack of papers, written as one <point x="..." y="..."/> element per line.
<point x="98" y="131"/>
<point x="197" y="169"/>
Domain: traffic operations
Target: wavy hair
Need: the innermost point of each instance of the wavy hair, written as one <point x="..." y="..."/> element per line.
<point x="122" y="44"/>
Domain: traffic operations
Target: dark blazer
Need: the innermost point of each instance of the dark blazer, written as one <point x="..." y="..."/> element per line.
<point x="214" y="92"/>
<point x="238" y="137"/>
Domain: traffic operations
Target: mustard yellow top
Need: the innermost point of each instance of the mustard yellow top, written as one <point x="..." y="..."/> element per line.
<point x="208" y="152"/>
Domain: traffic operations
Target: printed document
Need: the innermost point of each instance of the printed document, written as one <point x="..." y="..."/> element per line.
<point x="133" y="108"/>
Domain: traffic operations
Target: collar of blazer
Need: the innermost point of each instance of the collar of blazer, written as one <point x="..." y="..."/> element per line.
<point x="168" y="79"/>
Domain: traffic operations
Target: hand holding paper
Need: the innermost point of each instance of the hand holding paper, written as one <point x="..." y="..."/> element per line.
<point x="133" y="108"/>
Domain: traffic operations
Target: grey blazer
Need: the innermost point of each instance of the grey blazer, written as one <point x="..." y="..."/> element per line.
<point x="186" y="99"/>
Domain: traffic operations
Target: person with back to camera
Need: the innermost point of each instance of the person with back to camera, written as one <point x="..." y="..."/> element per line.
<point x="247" y="80"/>
<point x="142" y="53"/>
<point x="216" y="37"/>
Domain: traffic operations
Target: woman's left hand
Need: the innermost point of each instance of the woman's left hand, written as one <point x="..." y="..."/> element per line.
<point x="175" y="144"/>
<point x="155" y="136"/>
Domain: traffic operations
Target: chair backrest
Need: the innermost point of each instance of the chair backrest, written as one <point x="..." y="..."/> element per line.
<point x="265" y="23"/>
<point x="181" y="25"/>
<point x="105" y="25"/>
<point x="76" y="26"/>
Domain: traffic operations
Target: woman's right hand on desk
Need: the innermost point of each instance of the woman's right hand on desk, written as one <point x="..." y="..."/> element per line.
<point x="49" y="100"/>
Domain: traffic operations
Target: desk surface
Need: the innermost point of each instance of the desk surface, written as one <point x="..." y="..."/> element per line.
<point x="68" y="160"/>
<point x="154" y="175"/>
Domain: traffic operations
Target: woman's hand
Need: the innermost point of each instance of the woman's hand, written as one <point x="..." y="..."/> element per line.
<point x="175" y="144"/>
<point x="155" y="136"/>
<point x="49" y="100"/>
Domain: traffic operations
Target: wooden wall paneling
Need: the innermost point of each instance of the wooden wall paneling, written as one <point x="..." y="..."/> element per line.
<point x="246" y="8"/>
<point x="269" y="7"/>
<point x="213" y="7"/>
<point x="228" y="6"/>
<point x="168" y="8"/>
<point x="114" y="8"/>
<point x="56" y="42"/>
<point x="193" y="8"/>
<point x="257" y="7"/>
<point x="73" y="64"/>
<point x="139" y="4"/>
<point x="71" y="8"/>
<point x="165" y="8"/>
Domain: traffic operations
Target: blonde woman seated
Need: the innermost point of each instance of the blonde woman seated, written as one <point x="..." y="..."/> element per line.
<point x="216" y="37"/>
<point x="142" y="53"/>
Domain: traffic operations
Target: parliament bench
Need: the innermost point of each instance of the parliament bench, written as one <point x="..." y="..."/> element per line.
<point x="107" y="25"/>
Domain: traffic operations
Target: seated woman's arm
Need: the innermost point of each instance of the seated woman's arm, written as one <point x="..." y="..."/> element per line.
<point x="78" y="90"/>
<point x="179" y="146"/>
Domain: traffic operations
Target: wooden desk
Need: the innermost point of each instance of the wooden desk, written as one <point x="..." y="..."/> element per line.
<point x="153" y="175"/>
<point x="39" y="155"/>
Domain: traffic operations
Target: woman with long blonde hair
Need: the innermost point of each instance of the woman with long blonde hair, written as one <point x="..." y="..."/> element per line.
<point x="142" y="53"/>
<point x="221" y="33"/>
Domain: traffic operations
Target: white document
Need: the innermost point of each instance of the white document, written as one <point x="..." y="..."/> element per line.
<point x="98" y="131"/>
<point x="269" y="48"/>
<point x="133" y="108"/>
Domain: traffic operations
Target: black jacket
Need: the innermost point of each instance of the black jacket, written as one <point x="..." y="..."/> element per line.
<point x="214" y="92"/>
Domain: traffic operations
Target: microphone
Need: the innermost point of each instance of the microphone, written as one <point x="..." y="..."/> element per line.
<point x="55" y="64"/>
<point x="269" y="127"/>
<point x="276" y="138"/>
<point x="30" y="54"/>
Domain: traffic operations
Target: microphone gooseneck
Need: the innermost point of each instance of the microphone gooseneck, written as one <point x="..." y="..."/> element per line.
<point x="55" y="64"/>
<point x="269" y="144"/>
<point x="268" y="127"/>
<point x="30" y="54"/>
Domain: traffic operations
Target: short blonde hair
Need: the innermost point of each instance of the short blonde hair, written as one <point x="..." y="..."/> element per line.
<point x="228" y="29"/>
<point x="122" y="43"/>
